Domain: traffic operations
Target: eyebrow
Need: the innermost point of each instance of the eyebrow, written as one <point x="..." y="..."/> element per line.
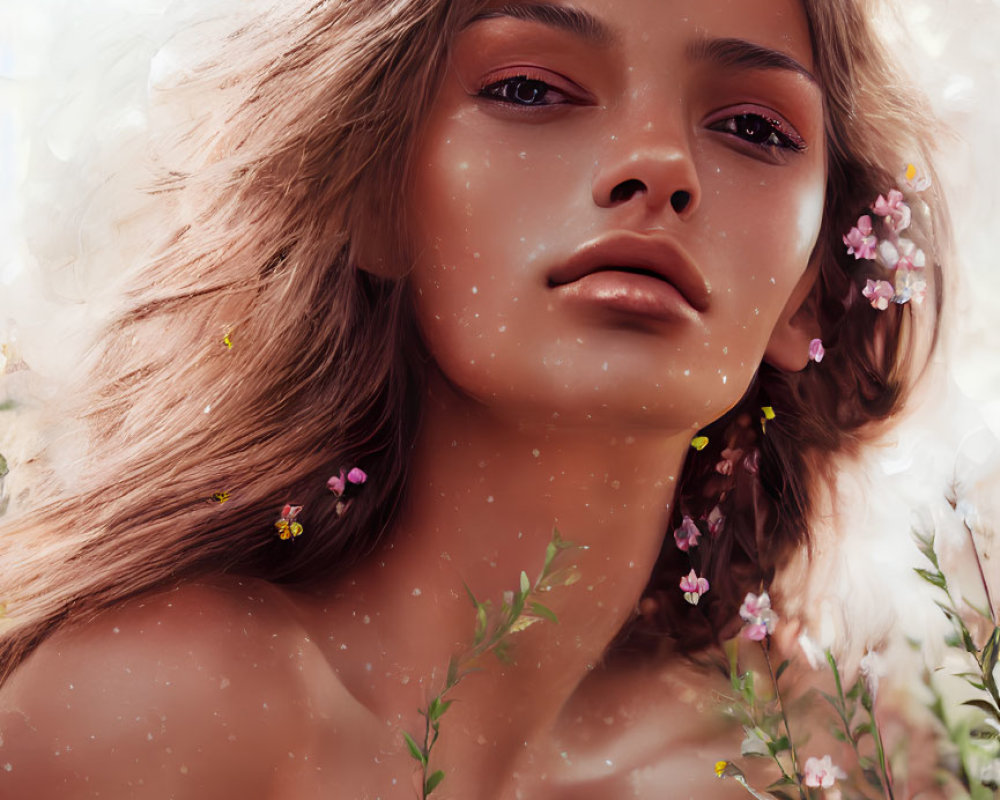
<point x="742" y="54"/>
<point x="566" y="18"/>
<point x="727" y="52"/>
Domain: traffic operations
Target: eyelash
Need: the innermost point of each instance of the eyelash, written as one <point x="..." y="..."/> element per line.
<point x="498" y="91"/>
<point x="778" y="135"/>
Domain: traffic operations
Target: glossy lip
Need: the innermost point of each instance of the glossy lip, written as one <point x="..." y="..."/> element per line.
<point x="631" y="253"/>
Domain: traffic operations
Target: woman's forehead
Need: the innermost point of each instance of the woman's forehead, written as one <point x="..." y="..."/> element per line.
<point x="778" y="25"/>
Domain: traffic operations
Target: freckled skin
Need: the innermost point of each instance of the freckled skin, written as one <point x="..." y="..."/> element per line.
<point x="538" y="414"/>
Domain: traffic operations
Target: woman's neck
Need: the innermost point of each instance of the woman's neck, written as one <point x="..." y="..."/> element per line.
<point x="484" y="498"/>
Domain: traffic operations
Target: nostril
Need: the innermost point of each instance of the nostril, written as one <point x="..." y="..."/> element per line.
<point x="680" y="200"/>
<point x="626" y="190"/>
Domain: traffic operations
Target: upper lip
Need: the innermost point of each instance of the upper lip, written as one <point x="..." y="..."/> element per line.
<point x="635" y="252"/>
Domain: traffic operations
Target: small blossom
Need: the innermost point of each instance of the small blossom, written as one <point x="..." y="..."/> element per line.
<point x="756" y="612"/>
<point x="699" y="442"/>
<point x="893" y="210"/>
<point x="337" y="484"/>
<point x="879" y="293"/>
<point x="859" y="240"/>
<point x="816" y="350"/>
<point x="724" y="467"/>
<point x="751" y="461"/>
<point x="902" y="254"/>
<point x="357" y="475"/>
<point x="821" y="773"/>
<point x="693" y="587"/>
<point x="716" y="521"/>
<point x="687" y="534"/>
<point x="914" y="180"/>
<point x="909" y="286"/>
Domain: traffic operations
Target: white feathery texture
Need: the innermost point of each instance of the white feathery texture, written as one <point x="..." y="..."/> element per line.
<point x="78" y="76"/>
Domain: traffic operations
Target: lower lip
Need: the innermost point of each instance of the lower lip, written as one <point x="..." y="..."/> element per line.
<point x="629" y="294"/>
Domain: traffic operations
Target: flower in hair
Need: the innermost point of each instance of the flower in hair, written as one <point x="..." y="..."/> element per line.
<point x="287" y="527"/>
<point x="687" y="534"/>
<point x="816" y="350"/>
<point x="860" y="241"/>
<point x="756" y="612"/>
<point x="220" y="497"/>
<point x="893" y="210"/>
<point x="892" y="252"/>
<point x="914" y="180"/>
<point x="767" y="415"/>
<point x="699" y="442"/>
<point x="693" y="587"/>
<point x="715" y="520"/>
<point x="227" y="341"/>
<point x="879" y="293"/>
<point x="338" y="483"/>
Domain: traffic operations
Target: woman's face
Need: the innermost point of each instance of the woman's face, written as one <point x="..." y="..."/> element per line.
<point x="614" y="201"/>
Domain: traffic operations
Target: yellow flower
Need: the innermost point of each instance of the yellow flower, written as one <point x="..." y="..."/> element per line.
<point x="699" y="442"/>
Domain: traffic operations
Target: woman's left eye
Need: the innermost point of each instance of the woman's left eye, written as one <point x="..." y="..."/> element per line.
<point x="760" y="131"/>
<point x="523" y="91"/>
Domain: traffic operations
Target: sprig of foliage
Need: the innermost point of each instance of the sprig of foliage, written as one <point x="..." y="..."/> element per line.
<point x="494" y="626"/>
<point x="846" y="705"/>
<point x="978" y="738"/>
<point x="765" y="723"/>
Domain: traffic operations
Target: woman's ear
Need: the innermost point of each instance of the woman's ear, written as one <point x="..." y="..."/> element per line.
<point x="788" y="348"/>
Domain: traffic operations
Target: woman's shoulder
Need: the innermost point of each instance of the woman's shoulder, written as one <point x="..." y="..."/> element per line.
<point x="194" y="686"/>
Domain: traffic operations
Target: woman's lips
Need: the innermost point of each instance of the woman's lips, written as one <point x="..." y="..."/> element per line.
<point x="634" y="274"/>
<point x="631" y="293"/>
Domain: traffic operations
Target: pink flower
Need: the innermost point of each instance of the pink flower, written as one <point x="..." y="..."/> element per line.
<point x="915" y="180"/>
<point x="816" y="350"/>
<point x="904" y="254"/>
<point x="751" y="461"/>
<point x="715" y="521"/>
<point x="910" y="287"/>
<point x="893" y="210"/>
<point x="756" y="610"/>
<point x="859" y="240"/>
<point x="687" y="534"/>
<point x="821" y="773"/>
<point x="879" y="293"/>
<point x="693" y="587"/>
<point x="336" y="484"/>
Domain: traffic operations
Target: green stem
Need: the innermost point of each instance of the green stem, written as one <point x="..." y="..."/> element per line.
<point x="784" y="719"/>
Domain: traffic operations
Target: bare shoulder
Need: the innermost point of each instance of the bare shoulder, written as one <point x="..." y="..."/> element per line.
<point x="190" y="692"/>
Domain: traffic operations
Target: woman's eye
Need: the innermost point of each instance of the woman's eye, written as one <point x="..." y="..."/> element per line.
<point x="760" y="131"/>
<point x="523" y="91"/>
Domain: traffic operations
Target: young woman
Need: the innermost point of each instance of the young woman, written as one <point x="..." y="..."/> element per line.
<point x="448" y="276"/>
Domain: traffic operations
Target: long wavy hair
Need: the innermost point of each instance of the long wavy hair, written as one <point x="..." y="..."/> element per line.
<point x="285" y="214"/>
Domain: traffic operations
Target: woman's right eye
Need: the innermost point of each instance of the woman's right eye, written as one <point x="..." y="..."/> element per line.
<point x="523" y="91"/>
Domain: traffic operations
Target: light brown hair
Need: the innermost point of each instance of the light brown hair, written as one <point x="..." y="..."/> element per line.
<point x="276" y="210"/>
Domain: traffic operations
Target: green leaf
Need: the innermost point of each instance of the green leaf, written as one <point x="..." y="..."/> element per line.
<point x="472" y="597"/>
<point x="833" y="701"/>
<point x="990" y="651"/>
<point x="779" y="746"/>
<point x="861" y="730"/>
<point x="452" y="678"/>
<point x="544" y="611"/>
<point x="432" y="782"/>
<point x="982" y="705"/>
<point x="414" y="749"/>
<point x="550" y="553"/>
<point x="525" y="583"/>
<point x="781" y="670"/>
<point x="437" y="708"/>
<point x="935" y="577"/>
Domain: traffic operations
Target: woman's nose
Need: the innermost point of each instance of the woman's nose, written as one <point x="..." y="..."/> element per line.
<point x="650" y="168"/>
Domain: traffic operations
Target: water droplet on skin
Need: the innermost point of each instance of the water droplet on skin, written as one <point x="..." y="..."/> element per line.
<point x="475" y="290"/>
<point x="416" y="593"/>
<point x="773" y="281"/>
<point x="8" y="767"/>
<point x="604" y="366"/>
<point x="116" y="630"/>
<point x="366" y="619"/>
<point x="183" y="770"/>
<point x="536" y="452"/>
<point x="687" y="373"/>
<point x="489" y="499"/>
<point x="208" y="408"/>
